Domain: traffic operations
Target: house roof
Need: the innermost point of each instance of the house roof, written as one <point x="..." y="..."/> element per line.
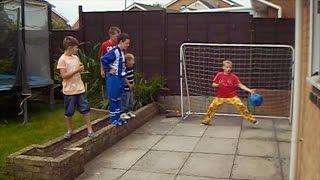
<point x="208" y="4"/>
<point x="143" y="7"/>
<point x="58" y="14"/>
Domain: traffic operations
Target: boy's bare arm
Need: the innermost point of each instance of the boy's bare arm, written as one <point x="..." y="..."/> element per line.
<point x="66" y="75"/>
<point x="242" y="86"/>
<point x="102" y="73"/>
<point x="215" y="85"/>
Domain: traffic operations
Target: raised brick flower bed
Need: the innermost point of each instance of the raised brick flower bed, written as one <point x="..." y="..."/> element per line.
<point x="65" y="159"/>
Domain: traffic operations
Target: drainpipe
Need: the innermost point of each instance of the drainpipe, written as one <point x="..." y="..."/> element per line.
<point x="296" y="93"/>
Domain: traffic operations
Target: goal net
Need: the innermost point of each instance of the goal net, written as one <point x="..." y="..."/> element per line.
<point x="266" y="68"/>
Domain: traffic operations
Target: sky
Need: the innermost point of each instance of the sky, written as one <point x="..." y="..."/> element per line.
<point x="69" y="8"/>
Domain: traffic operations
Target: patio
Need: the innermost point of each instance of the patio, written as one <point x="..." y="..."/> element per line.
<point x="169" y="148"/>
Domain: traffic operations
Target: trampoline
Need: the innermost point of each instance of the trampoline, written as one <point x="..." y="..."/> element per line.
<point x="24" y="49"/>
<point x="7" y="82"/>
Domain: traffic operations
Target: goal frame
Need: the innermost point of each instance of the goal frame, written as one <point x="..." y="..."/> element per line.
<point x="187" y="112"/>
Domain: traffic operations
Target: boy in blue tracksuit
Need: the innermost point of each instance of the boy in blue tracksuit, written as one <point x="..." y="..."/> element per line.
<point x="114" y="63"/>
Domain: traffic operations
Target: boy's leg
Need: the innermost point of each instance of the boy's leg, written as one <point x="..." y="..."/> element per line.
<point x="212" y="109"/>
<point x="242" y="109"/>
<point x="69" y="123"/>
<point x="112" y="95"/>
<point x="84" y="109"/>
<point x="131" y="101"/>
<point x="69" y="108"/>
<point x="125" y="102"/>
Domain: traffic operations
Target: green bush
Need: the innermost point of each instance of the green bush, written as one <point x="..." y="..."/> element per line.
<point x="145" y="91"/>
<point x="91" y="77"/>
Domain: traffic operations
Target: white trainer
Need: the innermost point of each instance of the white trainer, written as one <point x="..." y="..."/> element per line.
<point x="124" y="116"/>
<point x="131" y="114"/>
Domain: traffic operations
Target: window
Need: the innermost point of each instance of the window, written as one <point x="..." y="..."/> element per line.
<point x="315" y="45"/>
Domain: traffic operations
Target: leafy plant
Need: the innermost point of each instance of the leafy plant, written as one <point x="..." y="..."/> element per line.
<point x="59" y="25"/>
<point x="145" y="91"/>
<point x="91" y="77"/>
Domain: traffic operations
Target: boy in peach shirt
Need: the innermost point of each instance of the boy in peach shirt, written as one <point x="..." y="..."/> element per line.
<point x="72" y="86"/>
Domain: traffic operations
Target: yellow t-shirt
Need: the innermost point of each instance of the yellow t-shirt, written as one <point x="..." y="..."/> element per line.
<point x="74" y="84"/>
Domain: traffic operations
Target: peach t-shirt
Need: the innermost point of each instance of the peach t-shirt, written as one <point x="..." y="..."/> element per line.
<point x="74" y="84"/>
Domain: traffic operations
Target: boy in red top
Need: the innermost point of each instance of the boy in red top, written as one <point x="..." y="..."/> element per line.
<point x="227" y="83"/>
<point x="108" y="45"/>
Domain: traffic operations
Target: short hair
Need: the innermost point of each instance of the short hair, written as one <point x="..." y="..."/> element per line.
<point x="122" y="37"/>
<point x="70" y="41"/>
<point x="113" y="30"/>
<point x="225" y="62"/>
<point x="129" y="56"/>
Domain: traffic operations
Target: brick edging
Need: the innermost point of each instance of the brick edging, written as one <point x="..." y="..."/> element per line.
<point x="39" y="161"/>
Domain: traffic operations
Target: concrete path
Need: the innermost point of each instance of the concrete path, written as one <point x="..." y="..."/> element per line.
<point x="171" y="149"/>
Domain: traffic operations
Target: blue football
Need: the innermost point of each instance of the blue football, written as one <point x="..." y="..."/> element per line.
<point x="255" y="99"/>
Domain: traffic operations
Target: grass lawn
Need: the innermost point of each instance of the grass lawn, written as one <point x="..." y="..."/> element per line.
<point x="43" y="125"/>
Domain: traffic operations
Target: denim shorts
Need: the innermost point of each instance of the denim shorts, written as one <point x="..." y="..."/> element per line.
<point x="79" y="101"/>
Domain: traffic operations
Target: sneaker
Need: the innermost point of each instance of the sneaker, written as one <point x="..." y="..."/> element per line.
<point x="131" y="114"/>
<point x="67" y="135"/>
<point x="91" y="134"/>
<point x="255" y="122"/>
<point x="119" y="123"/>
<point x="124" y="121"/>
<point x="124" y="116"/>
<point x="204" y="124"/>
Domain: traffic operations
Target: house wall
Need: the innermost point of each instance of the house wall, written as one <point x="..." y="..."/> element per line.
<point x="220" y="3"/>
<point x="55" y="17"/>
<point x="308" y="164"/>
<point x="288" y="7"/>
<point x="177" y="5"/>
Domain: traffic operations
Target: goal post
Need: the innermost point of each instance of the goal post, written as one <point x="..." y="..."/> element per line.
<point x="267" y="68"/>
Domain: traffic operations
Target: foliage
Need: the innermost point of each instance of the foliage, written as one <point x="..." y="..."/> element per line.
<point x="145" y="91"/>
<point x="58" y="25"/>
<point x="8" y="39"/>
<point x="7" y="66"/>
<point x="91" y="77"/>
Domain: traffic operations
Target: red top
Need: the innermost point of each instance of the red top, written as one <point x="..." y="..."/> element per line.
<point x="107" y="46"/>
<point x="228" y="84"/>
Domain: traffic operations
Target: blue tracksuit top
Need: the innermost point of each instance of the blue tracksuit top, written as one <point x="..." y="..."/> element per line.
<point x="114" y="58"/>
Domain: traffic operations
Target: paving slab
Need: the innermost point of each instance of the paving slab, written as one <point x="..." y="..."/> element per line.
<point x="138" y="141"/>
<point x="182" y="177"/>
<point x="282" y="124"/>
<point x="161" y="162"/>
<point x="119" y="158"/>
<point x="188" y="130"/>
<point x="284" y="148"/>
<point x="285" y="165"/>
<point x="256" y="168"/>
<point x="252" y="147"/>
<point x="263" y="124"/>
<point x="155" y="128"/>
<point x="226" y="121"/>
<point x="283" y="135"/>
<point x="194" y="119"/>
<point x="247" y="133"/>
<point x="177" y="143"/>
<point x="217" y="145"/>
<point x="101" y="174"/>
<point x="208" y="165"/>
<point x="140" y="175"/>
<point x="223" y="131"/>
